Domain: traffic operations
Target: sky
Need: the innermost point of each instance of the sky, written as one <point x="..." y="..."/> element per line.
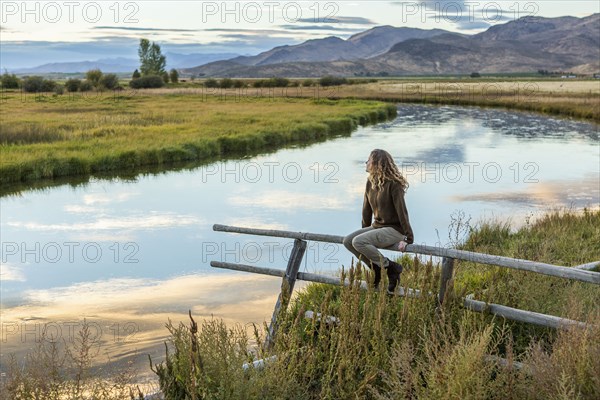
<point x="38" y="32"/>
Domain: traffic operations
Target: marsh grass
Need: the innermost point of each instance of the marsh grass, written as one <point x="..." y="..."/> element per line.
<point x="67" y="137"/>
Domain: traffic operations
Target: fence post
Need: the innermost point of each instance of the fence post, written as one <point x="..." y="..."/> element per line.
<point x="447" y="270"/>
<point x="287" y="286"/>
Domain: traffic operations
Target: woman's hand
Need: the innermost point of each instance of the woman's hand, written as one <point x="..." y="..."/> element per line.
<point x="402" y="246"/>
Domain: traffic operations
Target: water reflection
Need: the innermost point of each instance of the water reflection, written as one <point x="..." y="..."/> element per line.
<point x="519" y="124"/>
<point x="128" y="316"/>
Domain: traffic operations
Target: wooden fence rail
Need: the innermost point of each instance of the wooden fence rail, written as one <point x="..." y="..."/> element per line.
<point x="480" y="258"/>
<point x="292" y="273"/>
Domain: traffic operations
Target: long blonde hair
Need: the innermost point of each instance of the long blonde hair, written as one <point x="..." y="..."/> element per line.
<point x="383" y="168"/>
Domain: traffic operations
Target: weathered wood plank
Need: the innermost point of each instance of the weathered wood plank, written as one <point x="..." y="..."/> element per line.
<point x="514" y="263"/>
<point x="287" y="287"/>
<point x="445" y="278"/>
<point x="588" y="266"/>
<point x="303" y="276"/>
<point x="516" y="314"/>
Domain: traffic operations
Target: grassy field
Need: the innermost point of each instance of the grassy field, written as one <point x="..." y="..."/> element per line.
<point x="49" y="137"/>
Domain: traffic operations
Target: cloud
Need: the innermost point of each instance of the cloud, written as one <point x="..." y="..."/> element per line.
<point x="142" y="222"/>
<point x="460" y="13"/>
<point x="78" y="209"/>
<point x="132" y="28"/>
<point x="318" y="28"/>
<point x="102" y="198"/>
<point x="340" y="20"/>
<point x="250" y="32"/>
<point x="10" y="272"/>
<point x="281" y="199"/>
<point x="256" y="223"/>
<point x="472" y="25"/>
<point x="206" y="294"/>
<point x="554" y="193"/>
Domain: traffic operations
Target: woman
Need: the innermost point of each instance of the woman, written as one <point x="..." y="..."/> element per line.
<point x="384" y="199"/>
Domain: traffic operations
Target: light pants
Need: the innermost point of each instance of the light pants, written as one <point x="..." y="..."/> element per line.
<point x="364" y="243"/>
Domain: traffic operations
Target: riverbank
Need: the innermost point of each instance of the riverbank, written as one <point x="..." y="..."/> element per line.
<point x="572" y="99"/>
<point x="51" y="137"/>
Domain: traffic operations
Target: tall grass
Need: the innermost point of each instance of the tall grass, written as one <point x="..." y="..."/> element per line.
<point x="55" y="370"/>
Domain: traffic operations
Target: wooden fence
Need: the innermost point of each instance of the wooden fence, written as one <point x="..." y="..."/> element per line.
<point x="291" y="274"/>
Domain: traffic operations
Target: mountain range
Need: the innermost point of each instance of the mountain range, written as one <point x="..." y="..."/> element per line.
<point x="528" y="44"/>
<point x="120" y="64"/>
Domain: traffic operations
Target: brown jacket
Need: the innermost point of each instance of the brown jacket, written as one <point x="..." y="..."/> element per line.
<point x="388" y="207"/>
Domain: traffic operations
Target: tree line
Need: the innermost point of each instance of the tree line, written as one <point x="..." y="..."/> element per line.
<point x="152" y="73"/>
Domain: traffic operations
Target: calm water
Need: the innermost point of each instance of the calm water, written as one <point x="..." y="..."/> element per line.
<point x="127" y="255"/>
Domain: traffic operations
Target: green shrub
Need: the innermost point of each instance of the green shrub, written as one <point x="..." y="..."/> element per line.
<point x="226" y="83"/>
<point x="33" y="84"/>
<point x="9" y="81"/>
<point x="94" y="76"/>
<point x="86" y="86"/>
<point x="73" y="85"/>
<point x="109" y="81"/>
<point x="332" y="81"/>
<point x="211" y="83"/>
<point x="147" y="82"/>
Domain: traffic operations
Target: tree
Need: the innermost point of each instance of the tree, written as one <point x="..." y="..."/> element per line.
<point x="33" y="84"/>
<point x="136" y="74"/>
<point x="9" y="81"/>
<point x="475" y="75"/>
<point x="94" y="76"/>
<point x="152" y="62"/>
<point x="73" y="85"/>
<point x="86" y="86"/>
<point x="211" y="83"/>
<point x="226" y="83"/>
<point x="174" y="75"/>
<point x="147" y="82"/>
<point x="165" y="76"/>
<point x="109" y="81"/>
<point x="332" y="80"/>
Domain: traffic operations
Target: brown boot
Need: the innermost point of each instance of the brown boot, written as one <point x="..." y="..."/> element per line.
<point x="377" y="272"/>
<point x="393" y="272"/>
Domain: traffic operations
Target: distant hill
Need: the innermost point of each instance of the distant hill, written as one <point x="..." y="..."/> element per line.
<point x="174" y="60"/>
<point x="524" y="45"/>
<point x="106" y="65"/>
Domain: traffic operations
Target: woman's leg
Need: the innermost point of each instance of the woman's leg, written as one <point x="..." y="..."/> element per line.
<point x="368" y="242"/>
<point x="348" y="244"/>
<point x="361" y="257"/>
